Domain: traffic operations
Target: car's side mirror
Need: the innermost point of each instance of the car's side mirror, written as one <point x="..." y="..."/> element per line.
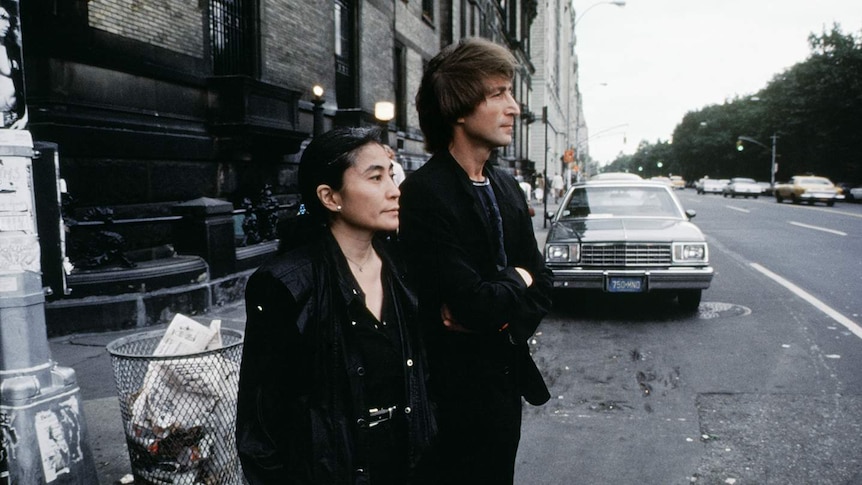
<point x="691" y="213"/>
<point x="549" y="215"/>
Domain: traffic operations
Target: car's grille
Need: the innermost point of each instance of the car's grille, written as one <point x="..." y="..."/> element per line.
<point x="625" y="254"/>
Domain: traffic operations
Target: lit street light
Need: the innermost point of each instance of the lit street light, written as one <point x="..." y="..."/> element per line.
<point x="317" y="109"/>
<point x="384" y="111"/>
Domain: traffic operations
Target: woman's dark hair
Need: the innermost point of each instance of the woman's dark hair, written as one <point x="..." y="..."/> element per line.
<point x="323" y="163"/>
<point x="454" y="84"/>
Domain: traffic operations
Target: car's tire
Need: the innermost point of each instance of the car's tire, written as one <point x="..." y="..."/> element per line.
<point x="795" y="199"/>
<point x="756" y="196"/>
<point x="830" y="203"/>
<point x="689" y="300"/>
<point x="779" y="198"/>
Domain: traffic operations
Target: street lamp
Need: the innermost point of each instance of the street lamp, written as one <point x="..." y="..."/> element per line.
<point x="618" y="3"/>
<point x="384" y="111"/>
<point x="317" y="109"/>
<point x="772" y="167"/>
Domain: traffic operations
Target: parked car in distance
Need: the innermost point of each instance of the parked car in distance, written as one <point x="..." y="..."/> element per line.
<point x="855" y="194"/>
<point x="627" y="237"/>
<point x="713" y="186"/>
<point x="808" y="188"/>
<point x="677" y="182"/>
<point x="742" y="187"/>
<point x="616" y="176"/>
<point x="765" y="188"/>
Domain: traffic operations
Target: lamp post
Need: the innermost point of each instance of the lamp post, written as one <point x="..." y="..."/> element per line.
<point x="618" y="3"/>
<point x="384" y="111"/>
<point x="317" y="109"/>
<point x="582" y="165"/>
<point x="772" y="167"/>
<point x="545" y="170"/>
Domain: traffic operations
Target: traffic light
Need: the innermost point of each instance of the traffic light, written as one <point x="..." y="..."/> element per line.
<point x="739" y="146"/>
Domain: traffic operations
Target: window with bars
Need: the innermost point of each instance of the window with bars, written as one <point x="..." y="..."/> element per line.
<point x="232" y="36"/>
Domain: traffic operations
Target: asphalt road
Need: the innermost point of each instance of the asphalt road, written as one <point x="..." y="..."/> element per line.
<point x="760" y="386"/>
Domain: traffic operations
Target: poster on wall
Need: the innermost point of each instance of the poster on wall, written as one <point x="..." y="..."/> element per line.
<point x="13" y="108"/>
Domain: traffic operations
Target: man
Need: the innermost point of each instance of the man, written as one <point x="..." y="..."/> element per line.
<point x="482" y="284"/>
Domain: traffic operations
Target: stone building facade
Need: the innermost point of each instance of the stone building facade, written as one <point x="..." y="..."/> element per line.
<point x="178" y="127"/>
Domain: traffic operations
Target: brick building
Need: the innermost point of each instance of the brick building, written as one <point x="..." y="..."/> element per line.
<point x="178" y="126"/>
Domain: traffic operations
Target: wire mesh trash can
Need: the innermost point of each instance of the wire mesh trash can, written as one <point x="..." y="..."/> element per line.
<point x="179" y="411"/>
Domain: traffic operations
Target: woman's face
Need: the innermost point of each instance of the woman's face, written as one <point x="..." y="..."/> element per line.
<point x="369" y="196"/>
<point x="5" y="23"/>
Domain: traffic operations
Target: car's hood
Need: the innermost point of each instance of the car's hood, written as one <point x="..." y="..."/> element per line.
<point x="624" y="229"/>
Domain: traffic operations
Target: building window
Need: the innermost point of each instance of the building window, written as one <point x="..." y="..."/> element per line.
<point x="428" y="10"/>
<point x="400" y="70"/>
<point x="232" y="37"/>
<point x="345" y="82"/>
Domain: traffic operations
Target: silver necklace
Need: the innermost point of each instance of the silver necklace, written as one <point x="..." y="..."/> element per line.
<point x="360" y="266"/>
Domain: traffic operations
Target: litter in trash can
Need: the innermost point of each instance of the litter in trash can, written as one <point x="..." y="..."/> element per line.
<point x="177" y="391"/>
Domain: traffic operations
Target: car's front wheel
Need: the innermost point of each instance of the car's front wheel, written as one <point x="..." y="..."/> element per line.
<point x="689" y="300"/>
<point x="778" y="198"/>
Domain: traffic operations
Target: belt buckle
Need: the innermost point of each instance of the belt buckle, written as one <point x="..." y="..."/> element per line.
<point x="380" y="415"/>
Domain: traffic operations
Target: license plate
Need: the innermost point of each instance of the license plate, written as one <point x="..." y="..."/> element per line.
<point x="625" y="284"/>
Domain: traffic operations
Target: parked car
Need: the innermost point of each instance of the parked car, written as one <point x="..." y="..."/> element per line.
<point x="627" y="237"/>
<point x="742" y="187"/>
<point x="808" y="188"/>
<point x="677" y="182"/>
<point x="855" y="194"/>
<point x="713" y="186"/>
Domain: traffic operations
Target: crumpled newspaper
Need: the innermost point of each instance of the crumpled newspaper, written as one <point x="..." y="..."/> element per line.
<point x="183" y="413"/>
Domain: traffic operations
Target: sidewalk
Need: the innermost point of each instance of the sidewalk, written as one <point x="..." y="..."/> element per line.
<point x="87" y="355"/>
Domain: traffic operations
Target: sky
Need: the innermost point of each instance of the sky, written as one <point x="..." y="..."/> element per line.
<point x="643" y="66"/>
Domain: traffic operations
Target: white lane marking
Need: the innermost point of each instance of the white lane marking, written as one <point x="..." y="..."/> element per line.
<point x="849" y="324"/>
<point x="740" y="209"/>
<point x="816" y="228"/>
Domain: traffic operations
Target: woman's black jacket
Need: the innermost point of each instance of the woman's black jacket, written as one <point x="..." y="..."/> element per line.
<point x="300" y="392"/>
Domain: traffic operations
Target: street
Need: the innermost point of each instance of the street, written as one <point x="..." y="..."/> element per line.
<point x="760" y="386"/>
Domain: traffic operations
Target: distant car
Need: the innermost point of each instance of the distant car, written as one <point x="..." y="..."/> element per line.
<point x="765" y="188"/>
<point x="712" y="186"/>
<point x="808" y="188"/>
<point x="677" y="182"/>
<point x="616" y="176"/>
<point x="661" y="179"/>
<point x="855" y="194"/>
<point x="627" y="237"/>
<point x="742" y="187"/>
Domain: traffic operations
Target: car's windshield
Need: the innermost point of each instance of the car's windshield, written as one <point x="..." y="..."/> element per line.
<point x="815" y="181"/>
<point x="744" y="181"/>
<point x="620" y="201"/>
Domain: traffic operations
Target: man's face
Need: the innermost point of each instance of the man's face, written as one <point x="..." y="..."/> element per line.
<point x="492" y="122"/>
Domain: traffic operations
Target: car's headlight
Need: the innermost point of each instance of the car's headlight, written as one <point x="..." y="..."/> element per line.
<point x="562" y="253"/>
<point x="696" y="252"/>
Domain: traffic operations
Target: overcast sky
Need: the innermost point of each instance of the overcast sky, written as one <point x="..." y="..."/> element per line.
<point x="647" y="64"/>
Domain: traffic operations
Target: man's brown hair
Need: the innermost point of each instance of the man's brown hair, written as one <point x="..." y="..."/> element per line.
<point x="454" y="84"/>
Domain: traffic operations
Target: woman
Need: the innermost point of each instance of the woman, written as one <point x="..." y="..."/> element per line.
<point x="332" y="386"/>
<point x="12" y="108"/>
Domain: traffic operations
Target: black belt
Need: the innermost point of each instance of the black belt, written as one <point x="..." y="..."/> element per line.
<point x="376" y="416"/>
